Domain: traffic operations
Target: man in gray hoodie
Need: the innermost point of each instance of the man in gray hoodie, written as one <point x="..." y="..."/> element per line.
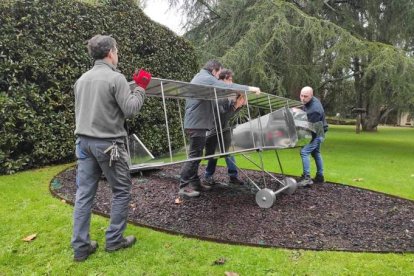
<point x="198" y="119"/>
<point x="103" y="100"/>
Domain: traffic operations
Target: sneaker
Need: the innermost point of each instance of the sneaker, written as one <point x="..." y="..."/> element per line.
<point x="125" y="243"/>
<point x="82" y="256"/>
<point x="235" y="180"/>
<point x="319" y="178"/>
<point x="209" y="181"/>
<point x="305" y="181"/>
<point x="189" y="192"/>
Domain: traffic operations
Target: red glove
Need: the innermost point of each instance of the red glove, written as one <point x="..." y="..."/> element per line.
<point x="142" y="78"/>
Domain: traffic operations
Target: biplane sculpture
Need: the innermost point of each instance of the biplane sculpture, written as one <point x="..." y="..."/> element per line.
<point x="281" y="127"/>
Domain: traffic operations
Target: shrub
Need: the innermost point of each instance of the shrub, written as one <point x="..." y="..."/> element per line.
<point x="43" y="52"/>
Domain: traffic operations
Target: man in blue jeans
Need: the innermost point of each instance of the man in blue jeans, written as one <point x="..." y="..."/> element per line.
<point x="316" y="115"/>
<point x="226" y="75"/>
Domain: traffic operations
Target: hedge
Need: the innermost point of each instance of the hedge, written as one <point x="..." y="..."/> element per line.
<point x="43" y="52"/>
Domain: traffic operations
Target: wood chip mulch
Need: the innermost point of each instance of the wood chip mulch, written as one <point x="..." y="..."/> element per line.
<point x="325" y="216"/>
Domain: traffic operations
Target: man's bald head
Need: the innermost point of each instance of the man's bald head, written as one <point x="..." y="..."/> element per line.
<point x="306" y="94"/>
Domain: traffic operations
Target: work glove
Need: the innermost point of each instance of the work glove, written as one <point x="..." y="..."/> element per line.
<point x="142" y="78"/>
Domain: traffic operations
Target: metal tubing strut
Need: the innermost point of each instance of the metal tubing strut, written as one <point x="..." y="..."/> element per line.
<point x="277" y="154"/>
<point x="221" y="146"/>
<point x="250" y="118"/>
<point x="166" y="121"/>
<point x="260" y="150"/>
<point x="215" y="125"/>
<point x="251" y="180"/>
<point x="182" y="127"/>
<point x="259" y="125"/>
<point x="251" y="161"/>
<point x="282" y="189"/>
<point x="261" y="163"/>
<point x="285" y="115"/>
<point x="278" y="160"/>
<point x="270" y="104"/>
<point x="129" y="152"/>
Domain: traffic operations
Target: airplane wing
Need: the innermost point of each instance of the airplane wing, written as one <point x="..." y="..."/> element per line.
<point x="172" y="89"/>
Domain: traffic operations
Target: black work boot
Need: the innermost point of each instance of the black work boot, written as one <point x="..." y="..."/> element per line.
<point x="319" y="178"/>
<point x="83" y="255"/>
<point x="124" y="243"/>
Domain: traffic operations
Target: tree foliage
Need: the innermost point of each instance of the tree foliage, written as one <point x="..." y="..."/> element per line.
<point x="386" y="22"/>
<point x="43" y="52"/>
<point x="347" y="50"/>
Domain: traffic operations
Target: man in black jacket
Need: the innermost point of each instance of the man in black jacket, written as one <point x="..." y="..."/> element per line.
<point x="198" y="119"/>
<point x="316" y="115"/>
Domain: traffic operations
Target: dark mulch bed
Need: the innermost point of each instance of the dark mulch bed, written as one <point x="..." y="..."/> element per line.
<point x="324" y="217"/>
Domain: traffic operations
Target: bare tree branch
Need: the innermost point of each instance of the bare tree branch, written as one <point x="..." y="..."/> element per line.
<point x="338" y="79"/>
<point x="209" y="8"/>
<point x="326" y="2"/>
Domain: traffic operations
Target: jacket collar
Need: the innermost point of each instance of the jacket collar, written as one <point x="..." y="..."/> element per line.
<point x="104" y="62"/>
<point x="206" y="72"/>
<point x="310" y="102"/>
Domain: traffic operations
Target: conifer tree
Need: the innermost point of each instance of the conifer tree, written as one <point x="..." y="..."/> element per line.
<point x="354" y="53"/>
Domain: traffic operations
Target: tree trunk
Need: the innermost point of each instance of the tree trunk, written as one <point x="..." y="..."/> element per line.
<point x="370" y="124"/>
<point x="358" y="124"/>
<point x="372" y="118"/>
<point x="358" y="85"/>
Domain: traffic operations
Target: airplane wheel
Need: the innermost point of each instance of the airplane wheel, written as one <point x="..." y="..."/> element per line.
<point x="291" y="183"/>
<point x="265" y="198"/>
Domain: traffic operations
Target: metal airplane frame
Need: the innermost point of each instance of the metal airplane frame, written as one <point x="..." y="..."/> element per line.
<point x="281" y="127"/>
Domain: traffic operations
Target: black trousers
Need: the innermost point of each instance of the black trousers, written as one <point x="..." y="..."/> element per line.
<point x="189" y="171"/>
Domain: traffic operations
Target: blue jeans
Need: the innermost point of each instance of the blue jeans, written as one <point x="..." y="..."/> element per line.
<point x="211" y="145"/>
<point x="231" y="167"/>
<point x="313" y="148"/>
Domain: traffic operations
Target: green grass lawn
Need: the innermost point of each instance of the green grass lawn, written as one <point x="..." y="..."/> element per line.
<point x="383" y="161"/>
